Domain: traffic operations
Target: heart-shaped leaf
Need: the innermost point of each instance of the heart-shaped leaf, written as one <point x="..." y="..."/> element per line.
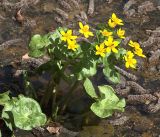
<point x="107" y="103"/>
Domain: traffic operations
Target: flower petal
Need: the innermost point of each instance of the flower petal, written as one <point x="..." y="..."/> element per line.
<point x="108" y="49"/>
<point x="62" y="32"/>
<point x="80" y="25"/>
<point x="114" y="50"/>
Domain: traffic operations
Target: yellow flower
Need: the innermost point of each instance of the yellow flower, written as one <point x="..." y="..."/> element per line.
<point x="106" y="33"/>
<point x="139" y="52"/>
<point x="111" y="45"/>
<point x="67" y="36"/>
<point x="72" y="45"/>
<point x="129" y="54"/>
<point x="111" y="23"/>
<point x="84" y="29"/>
<point x="116" y="20"/>
<point x="137" y="49"/>
<point x="121" y="33"/>
<point x="100" y="50"/>
<point x="134" y="44"/>
<point x="130" y="61"/>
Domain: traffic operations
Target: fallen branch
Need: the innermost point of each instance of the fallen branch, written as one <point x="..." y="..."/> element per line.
<point x="120" y="121"/>
<point x="22" y="3"/>
<point x="62" y="13"/>
<point x="127" y="74"/>
<point x="136" y="87"/>
<point x="123" y="92"/>
<point x="65" y="5"/>
<point x="91" y="7"/>
<point x="9" y="43"/>
<point x="141" y="99"/>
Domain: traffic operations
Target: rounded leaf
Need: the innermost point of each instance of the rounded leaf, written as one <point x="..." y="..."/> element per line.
<point x="27" y="114"/>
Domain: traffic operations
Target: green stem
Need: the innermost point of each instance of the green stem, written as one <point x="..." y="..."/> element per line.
<point x="48" y="92"/>
<point x="65" y="100"/>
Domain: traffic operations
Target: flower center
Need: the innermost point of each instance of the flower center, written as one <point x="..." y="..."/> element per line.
<point x="85" y="29"/>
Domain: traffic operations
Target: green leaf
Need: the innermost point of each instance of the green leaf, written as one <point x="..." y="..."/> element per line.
<point x="46" y="40"/>
<point x="87" y="71"/>
<point x="121" y="53"/>
<point x="7" y="114"/>
<point x="89" y="88"/>
<point x="37" y="45"/>
<point x="100" y="111"/>
<point x="111" y="74"/>
<point x="36" y="42"/>
<point x="56" y="34"/>
<point x="107" y="92"/>
<point x="4" y="98"/>
<point x="27" y="114"/>
<point x="24" y="113"/>
<point x="107" y="103"/>
<point x="36" y="53"/>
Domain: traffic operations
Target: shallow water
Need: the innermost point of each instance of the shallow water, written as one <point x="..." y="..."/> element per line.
<point x="41" y="20"/>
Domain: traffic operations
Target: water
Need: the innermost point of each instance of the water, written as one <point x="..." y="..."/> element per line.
<point x="40" y="19"/>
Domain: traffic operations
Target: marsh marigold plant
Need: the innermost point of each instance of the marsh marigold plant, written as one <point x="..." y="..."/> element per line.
<point x="76" y="58"/>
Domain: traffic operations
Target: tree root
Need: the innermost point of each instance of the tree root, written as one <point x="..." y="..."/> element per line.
<point x="136" y="87"/>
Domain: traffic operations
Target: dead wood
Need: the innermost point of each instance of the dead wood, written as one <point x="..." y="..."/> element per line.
<point x="91" y="7"/>
<point x="9" y="43"/>
<point x="141" y="99"/>
<point x="127" y="74"/>
<point x="62" y="13"/>
<point x="136" y="87"/>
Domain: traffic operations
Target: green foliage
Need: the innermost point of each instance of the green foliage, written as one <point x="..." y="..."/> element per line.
<point x="109" y="71"/>
<point x="107" y="103"/>
<point x="120" y="54"/>
<point x="89" y="88"/>
<point x="37" y="45"/>
<point x="4" y="97"/>
<point x="87" y="71"/>
<point x="111" y="74"/>
<point x="73" y="60"/>
<point x="22" y="112"/>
